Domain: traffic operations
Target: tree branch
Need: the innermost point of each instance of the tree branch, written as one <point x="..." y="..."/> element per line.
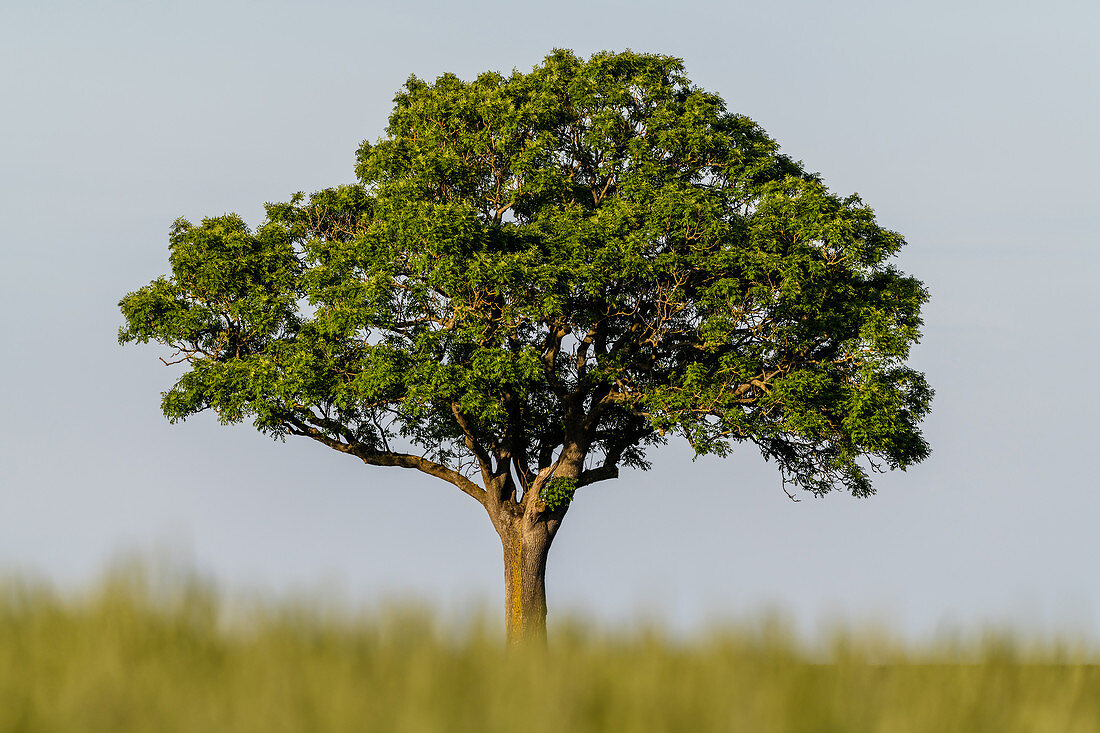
<point x="601" y="473"/>
<point x="387" y="458"/>
<point x="482" y="455"/>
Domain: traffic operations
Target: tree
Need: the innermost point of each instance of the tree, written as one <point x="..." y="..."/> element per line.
<point x="535" y="280"/>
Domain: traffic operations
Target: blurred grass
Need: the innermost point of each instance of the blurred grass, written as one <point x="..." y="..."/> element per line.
<point x="143" y="653"/>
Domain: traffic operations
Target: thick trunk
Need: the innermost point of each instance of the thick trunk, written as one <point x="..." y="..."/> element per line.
<point x="526" y="546"/>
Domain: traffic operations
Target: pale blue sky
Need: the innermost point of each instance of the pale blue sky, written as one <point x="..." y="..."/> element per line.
<point x="969" y="126"/>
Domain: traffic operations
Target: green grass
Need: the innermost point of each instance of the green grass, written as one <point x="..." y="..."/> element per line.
<point x="137" y="655"/>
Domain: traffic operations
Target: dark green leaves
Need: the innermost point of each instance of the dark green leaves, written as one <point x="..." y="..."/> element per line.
<point x="575" y="261"/>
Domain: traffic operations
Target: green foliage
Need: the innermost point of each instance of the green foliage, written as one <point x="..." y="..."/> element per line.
<point x="583" y="260"/>
<point x="135" y="656"/>
<point x="557" y="493"/>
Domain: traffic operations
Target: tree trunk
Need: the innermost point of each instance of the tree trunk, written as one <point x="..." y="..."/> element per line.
<point x="526" y="546"/>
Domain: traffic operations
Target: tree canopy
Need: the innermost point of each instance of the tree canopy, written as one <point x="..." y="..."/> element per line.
<point x="538" y="277"/>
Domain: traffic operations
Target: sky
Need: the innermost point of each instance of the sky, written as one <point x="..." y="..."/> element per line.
<point x="970" y="127"/>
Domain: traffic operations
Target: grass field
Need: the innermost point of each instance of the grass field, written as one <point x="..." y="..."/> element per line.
<point x="134" y="655"/>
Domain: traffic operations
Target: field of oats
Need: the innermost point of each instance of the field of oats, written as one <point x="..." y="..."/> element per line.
<point x="132" y="654"/>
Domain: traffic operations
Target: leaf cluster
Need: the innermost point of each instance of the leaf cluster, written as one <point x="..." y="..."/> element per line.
<point x="544" y="274"/>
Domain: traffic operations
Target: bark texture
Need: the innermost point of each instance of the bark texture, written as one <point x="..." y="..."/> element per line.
<point x="526" y="546"/>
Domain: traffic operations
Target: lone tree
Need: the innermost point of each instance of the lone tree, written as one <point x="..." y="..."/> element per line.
<point x="537" y="278"/>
